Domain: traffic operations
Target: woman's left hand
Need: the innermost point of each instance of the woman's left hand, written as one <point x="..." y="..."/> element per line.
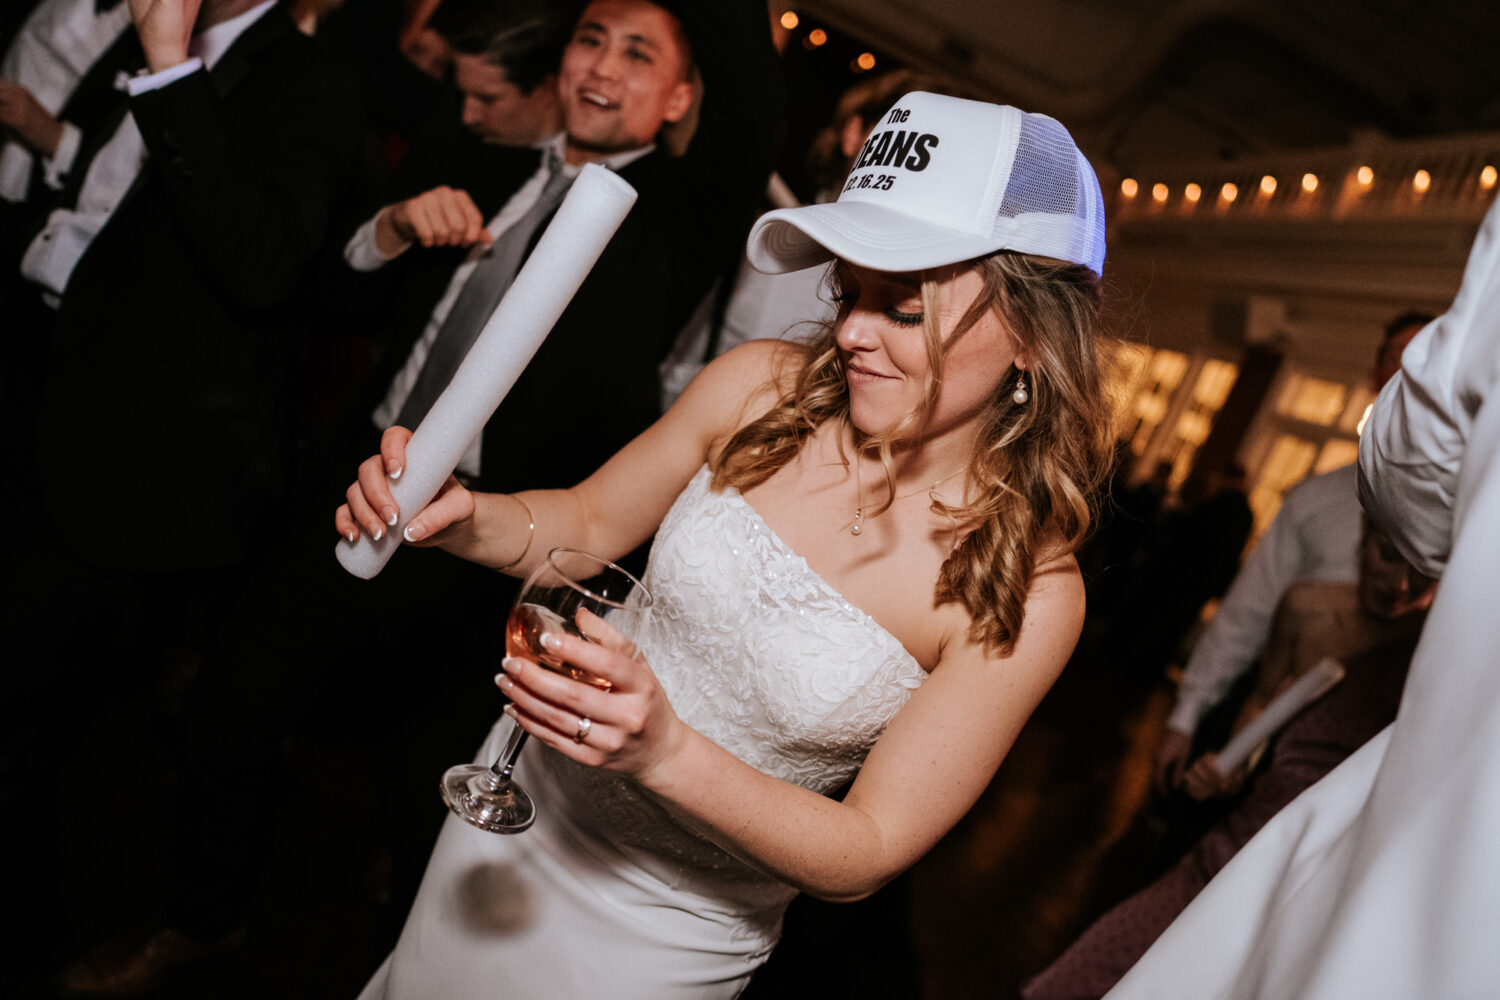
<point x="631" y="726"/>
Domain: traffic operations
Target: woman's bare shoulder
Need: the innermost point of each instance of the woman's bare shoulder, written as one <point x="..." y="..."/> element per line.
<point x="742" y="384"/>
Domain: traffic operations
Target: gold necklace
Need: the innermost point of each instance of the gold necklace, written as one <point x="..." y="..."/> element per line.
<point x="858" y="524"/>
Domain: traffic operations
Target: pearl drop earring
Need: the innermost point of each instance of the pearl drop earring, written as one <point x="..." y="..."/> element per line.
<point x="1020" y="396"/>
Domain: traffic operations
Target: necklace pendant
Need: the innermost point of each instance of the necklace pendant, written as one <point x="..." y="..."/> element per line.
<point x="857" y="526"/>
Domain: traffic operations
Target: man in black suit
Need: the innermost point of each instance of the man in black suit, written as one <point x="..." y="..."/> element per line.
<point x="624" y="77"/>
<point x="176" y="320"/>
<point x="153" y="319"/>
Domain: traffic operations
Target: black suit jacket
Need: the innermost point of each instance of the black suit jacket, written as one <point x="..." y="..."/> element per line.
<point x="593" y="384"/>
<point x="162" y="413"/>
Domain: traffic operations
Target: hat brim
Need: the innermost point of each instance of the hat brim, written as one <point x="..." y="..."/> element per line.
<point x="790" y="239"/>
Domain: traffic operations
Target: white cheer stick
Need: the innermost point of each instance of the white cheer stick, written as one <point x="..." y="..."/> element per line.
<point x="1304" y="691"/>
<point x="595" y="206"/>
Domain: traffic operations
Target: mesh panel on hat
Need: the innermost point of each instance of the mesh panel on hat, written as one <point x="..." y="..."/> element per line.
<point x="1049" y="178"/>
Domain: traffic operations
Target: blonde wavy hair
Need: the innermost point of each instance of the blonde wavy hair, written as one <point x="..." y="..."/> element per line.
<point x="1037" y="467"/>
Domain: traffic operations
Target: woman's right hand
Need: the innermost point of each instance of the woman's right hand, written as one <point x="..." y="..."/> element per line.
<point x="371" y="509"/>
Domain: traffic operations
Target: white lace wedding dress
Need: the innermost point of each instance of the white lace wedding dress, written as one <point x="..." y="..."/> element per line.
<point x="607" y="895"/>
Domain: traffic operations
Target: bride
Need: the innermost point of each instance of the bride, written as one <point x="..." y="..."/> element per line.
<point x="862" y="569"/>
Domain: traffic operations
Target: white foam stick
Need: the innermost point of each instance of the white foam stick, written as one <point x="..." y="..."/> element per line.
<point x="1304" y="691"/>
<point x="595" y="206"/>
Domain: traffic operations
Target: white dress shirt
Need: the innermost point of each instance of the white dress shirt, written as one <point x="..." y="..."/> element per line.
<point x="362" y="254"/>
<point x="49" y="56"/>
<point x="1315" y="536"/>
<point x="57" y="249"/>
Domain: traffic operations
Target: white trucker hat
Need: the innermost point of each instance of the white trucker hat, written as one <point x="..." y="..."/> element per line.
<point x="943" y="180"/>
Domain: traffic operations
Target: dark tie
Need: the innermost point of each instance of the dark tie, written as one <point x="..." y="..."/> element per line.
<point x="487" y="284"/>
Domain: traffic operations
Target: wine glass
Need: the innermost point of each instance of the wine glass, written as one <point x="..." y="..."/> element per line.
<point x="567" y="583"/>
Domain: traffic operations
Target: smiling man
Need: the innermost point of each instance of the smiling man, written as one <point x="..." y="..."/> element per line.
<point x="626" y="72"/>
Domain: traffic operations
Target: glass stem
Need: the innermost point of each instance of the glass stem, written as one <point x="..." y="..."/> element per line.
<point x="506" y="762"/>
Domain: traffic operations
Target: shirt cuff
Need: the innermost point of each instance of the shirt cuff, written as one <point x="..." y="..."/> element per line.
<point x="155" y="81"/>
<point x="362" y="253"/>
<point x="55" y="167"/>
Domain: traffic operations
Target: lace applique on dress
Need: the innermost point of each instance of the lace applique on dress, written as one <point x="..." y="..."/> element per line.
<point x="761" y="655"/>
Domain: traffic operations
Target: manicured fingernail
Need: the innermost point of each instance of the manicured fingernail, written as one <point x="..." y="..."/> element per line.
<point x="505" y="683"/>
<point x="353" y="536"/>
<point x="390" y="515"/>
<point x="393" y="470"/>
<point x="511" y="665"/>
<point x="414" y="533"/>
<point x="379" y="534"/>
<point x="551" y="641"/>
<point x="510" y="710"/>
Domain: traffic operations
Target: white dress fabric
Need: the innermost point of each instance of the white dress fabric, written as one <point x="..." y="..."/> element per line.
<point x="607" y="895"/>
<point x="1383" y="880"/>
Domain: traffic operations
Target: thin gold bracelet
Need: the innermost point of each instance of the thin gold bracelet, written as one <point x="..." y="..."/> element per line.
<point x="531" y="527"/>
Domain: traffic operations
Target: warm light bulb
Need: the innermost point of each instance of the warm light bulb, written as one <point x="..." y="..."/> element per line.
<point x="1268" y="185"/>
<point x="1366" y="176"/>
<point x="1192" y="193"/>
<point x="1229" y="191"/>
<point x="1128" y="187"/>
<point x="1421" y="181"/>
<point x="1487" y="178"/>
<point x="1159" y="192"/>
<point x="790" y="20"/>
<point x="866" y="60"/>
<point x="817" y="36"/>
<point x="1309" y="183"/>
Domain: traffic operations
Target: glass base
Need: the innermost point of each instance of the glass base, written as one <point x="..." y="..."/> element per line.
<point x="480" y="797"/>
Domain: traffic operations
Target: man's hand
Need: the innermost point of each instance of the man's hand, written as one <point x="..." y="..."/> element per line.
<point x="1203" y="781"/>
<point x="165" y="27"/>
<point x="20" y="112"/>
<point x="1171" y="758"/>
<point x="442" y="217"/>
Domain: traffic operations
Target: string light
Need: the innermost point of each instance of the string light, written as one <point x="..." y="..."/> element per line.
<point x="790" y="20"/>
<point x="866" y="60"/>
<point x="1364" y="179"/>
<point x="817" y="37"/>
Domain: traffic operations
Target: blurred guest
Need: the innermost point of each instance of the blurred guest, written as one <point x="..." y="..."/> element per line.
<point x="154" y="302"/>
<point x="42" y="125"/>
<point x="1191" y="560"/>
<point x="1314" y="536"/>
<point x="225" y="184"/>
<point x="1118" y="551"/>
<point x="505" y="57"/>
<point x="1381" y="879"/>
<point x="1371" y="627"/>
